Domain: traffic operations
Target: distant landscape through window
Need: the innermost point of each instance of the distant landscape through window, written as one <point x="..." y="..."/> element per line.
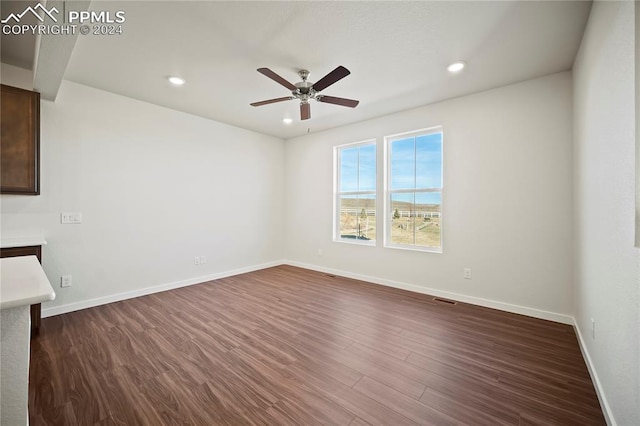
<point x="415" y="190"/>
<point x="357" y="192"/>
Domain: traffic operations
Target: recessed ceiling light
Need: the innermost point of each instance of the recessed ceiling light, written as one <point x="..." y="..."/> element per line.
<point x="287" y="120"/>
<point x="176" y="81"/>
<point x="456" y="66"/>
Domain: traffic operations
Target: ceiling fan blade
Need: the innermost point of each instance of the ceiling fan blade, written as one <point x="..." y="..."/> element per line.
<point x="351" y="103"/>
<point x="305" y="111"/>
<point x="335" y="75"/>
<point x="271" y="101"/>
<point x="275" y="77"/>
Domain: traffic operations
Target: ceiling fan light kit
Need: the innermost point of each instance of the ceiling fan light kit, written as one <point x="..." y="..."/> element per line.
<point x="306" y="90"/>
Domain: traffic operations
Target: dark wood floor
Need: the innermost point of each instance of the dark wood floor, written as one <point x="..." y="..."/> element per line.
<point x="290" y="346"/>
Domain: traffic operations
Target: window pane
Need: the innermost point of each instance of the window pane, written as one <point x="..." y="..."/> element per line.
<point x="402" y="219"/>
<point x="357" y="217"/>
<point x="403" y="164"/>
<point x="367" y="217"/>
<point x="348" y="207"/>
<point x="367" y="172"/>
<point x="415" y="219"/>
<point x="349" y="169"/>
<point x="415" y="189"/>
<point x="428" y="207"/>
<point x="356" y="213"/>
<point x="429" y="161"/>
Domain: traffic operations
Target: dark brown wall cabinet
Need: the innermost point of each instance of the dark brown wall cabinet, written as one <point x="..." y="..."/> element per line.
<point x="20" y="141"/>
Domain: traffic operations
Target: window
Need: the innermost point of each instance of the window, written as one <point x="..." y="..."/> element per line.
<point x="414" y="190"/>
<point x="355" y="201"/>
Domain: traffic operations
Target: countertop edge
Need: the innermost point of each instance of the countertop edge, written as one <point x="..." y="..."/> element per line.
<point x="27" y="301"/>
<point x="17" y="242"/>
<point x="23" y="282"/>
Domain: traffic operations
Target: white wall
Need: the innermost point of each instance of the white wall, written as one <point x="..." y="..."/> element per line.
<point x="507" y="201"/>
<point x="607" y="277"/>
<point x="637" y="81"/>
<point x="156" y="187"/>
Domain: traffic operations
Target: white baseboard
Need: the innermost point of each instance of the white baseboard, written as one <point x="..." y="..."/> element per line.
<point x="63" y="309"/>
<point x="523" y="310"/>
<point x="508" y="307"/>
<point x="604" y="404"/>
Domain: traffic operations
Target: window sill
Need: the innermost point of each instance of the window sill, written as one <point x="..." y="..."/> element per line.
<point x="353" y="241"/>
<point x="437" y="250"/>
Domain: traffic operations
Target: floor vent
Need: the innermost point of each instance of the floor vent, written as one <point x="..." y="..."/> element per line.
<point x="450" y="302"/>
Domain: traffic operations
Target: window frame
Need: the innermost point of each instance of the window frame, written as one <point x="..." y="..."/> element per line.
<point x="337" y="193"/>
<point x="388" y="192"/>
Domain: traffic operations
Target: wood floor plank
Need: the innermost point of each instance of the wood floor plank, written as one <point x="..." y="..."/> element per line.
<point x="297" y="401"/>
<point x="405" y="384"/>
<point x="309" y="409"/>
<point x="422" y="368"/>
<point x="358" y="422"/>
<point x="459" y="408"/>
<point x="408" y="407"/>
<point x="286" y="345"/>
<point x="372" y="411"/>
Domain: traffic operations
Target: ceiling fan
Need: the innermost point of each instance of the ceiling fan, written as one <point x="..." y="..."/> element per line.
<point x="306" y="90"/>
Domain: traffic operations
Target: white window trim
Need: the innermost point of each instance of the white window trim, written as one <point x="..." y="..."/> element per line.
<point x="337" y="193"/>
<point x="387" y="214"/>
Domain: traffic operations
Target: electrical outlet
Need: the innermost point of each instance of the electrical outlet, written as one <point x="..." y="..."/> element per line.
<point x="593" y="329"/>
<point x="320" y="252"/>
<point x="196" y="260"/>
<point x="203" y="260"/>
<point x="65" y="281"/>
<point x="467" y="273"/>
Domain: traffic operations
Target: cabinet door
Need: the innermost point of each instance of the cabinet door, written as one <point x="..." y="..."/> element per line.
<point x="19" y="141"/>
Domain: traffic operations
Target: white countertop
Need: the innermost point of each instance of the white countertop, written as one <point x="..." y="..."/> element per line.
<point x="23" y="282"/>
<point x="22" y="242"/>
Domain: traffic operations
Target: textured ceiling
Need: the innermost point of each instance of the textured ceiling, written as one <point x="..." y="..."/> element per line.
<point x="396" y="51"/>
<point x="18" y="50"/>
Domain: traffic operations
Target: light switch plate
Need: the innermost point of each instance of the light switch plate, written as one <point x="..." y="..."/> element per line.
<point x="70" y="218"/>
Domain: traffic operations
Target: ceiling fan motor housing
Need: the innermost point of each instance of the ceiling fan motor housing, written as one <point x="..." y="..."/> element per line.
<point x="304" y="89"/>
